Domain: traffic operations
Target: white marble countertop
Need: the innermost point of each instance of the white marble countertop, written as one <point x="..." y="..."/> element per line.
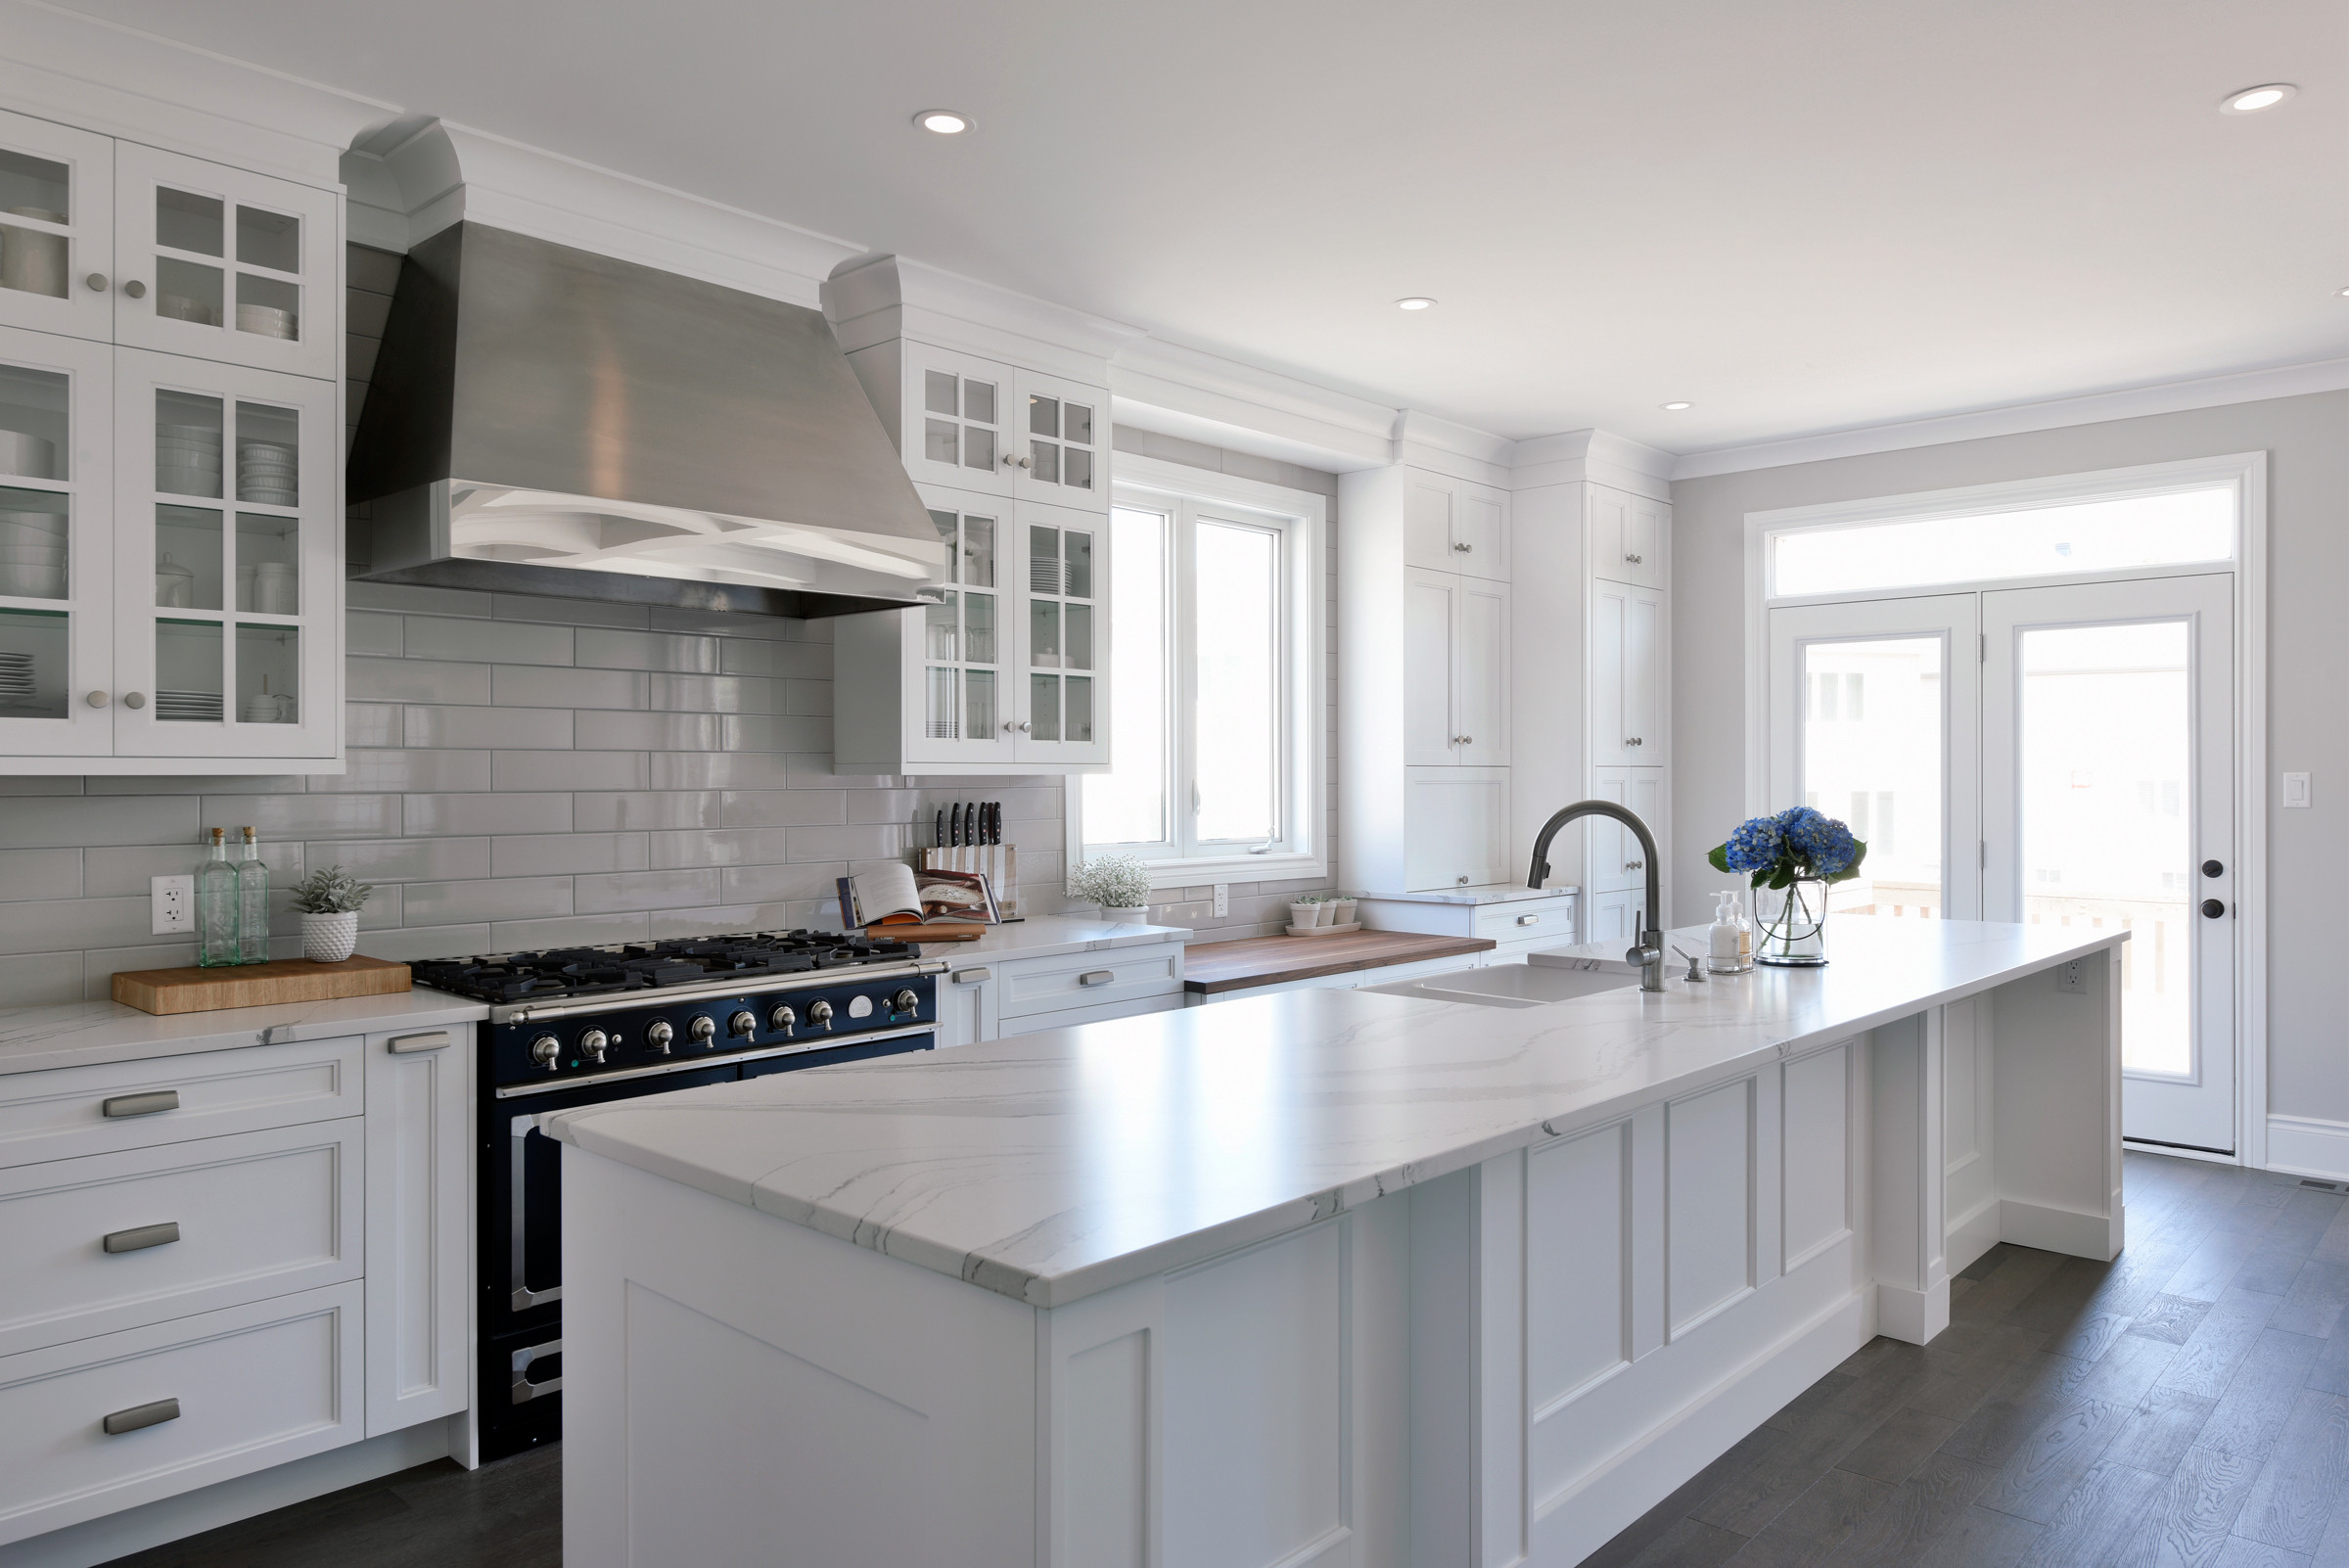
<point x="1048" y="935"/>
<point x="1054" y="1165"/>
<point x="76" y="1033"/>
<point x="1490" y="893"/>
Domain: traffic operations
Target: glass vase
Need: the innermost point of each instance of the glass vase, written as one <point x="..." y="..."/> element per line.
<point x="1792" y="934"/>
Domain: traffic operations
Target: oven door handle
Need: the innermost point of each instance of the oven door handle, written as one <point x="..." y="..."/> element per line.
<point x="521" y="1127"/>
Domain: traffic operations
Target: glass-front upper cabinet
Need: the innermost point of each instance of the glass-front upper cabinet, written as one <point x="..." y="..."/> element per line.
<point x="958" y="420"/>
<point x="966" y="658"/>
<point x="1063" y="715"/>
<point x="55" y="548"/>
<point x="225" y="560"/>
<point x="225" y="265"/>
<point x="1063" y="456"/>
<point x="57" y="228"/>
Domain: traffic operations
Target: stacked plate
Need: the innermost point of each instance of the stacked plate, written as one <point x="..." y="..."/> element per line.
<point x="180" y="307"/>
<point x="188" y="705"/>
<point x="31" y="456"/>
<point x="267" y="321"/>
<point x="275" y="593"/>
<point x="32" y="555"/>
<point x="187" y="459"/>
<point x="16" y="680"/>
<point x="266" y="473"/>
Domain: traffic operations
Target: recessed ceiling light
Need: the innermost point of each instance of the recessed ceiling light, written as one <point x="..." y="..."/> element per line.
<point x="1416" y="301"/>
<point x="2251" y="100"/>
<point x="2344" y="292"/>
<point x="1677" y="407"/>
<point x="944" y="121"/>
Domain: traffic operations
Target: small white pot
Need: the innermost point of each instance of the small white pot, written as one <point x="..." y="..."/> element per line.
<point x="1133" y="915"/>
<point x="1341" y="911"/>
<point x="328" y="938"/>
<point x="1302" y="915"/>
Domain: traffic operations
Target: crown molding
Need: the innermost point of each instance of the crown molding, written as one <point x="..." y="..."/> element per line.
<point x="1596" y="455"/>
<point x="872" y="300"/>
<point x="1446" y="446"/>
<point x="1187" y="393"/>
<point x="2095" y="408"/>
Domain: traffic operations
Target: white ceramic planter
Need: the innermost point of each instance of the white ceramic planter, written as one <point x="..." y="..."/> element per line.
<point x="1133" y="915"/>
<point x="328" y="938"/>
<point x="1302" y="915"/>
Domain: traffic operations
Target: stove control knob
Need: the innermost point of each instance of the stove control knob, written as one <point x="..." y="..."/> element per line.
<point x="658" y="1034"/>
<point x="546" y="1052"/>
<point x="703" y="1030"/>
<point x="593" y="1045"/>
<point x="819" y="1013"/>
<point x="745" y="1024"/>
<point x="906" y="1002"/>
<point x="782" y="1020"/>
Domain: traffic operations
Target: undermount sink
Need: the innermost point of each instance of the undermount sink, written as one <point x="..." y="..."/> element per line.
<point x="1510" y="985"/>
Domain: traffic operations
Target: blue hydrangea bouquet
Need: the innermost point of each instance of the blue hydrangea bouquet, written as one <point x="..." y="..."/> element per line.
<point x="1797" y="852"/>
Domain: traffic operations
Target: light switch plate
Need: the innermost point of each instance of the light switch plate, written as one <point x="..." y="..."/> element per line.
<point x="2295" y="789"/>
<point x="172" y="903"/>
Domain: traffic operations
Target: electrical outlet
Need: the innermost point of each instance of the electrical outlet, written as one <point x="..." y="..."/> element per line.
<point x="172" y="903"/>
<point x="2073" y="977"/>
<point x="1222" y="901"/>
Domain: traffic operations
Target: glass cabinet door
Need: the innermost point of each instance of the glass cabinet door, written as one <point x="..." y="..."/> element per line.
<point x="965" y="661"/>
<point x="57" y="228"/>
<point x="957" y="421"/>
<point x="1064" y="443"/>
<point x="226" y="265"/>
<point x="228" y="556"/>
<point x="57" y="592"/>
<point x="1064" y="648"/>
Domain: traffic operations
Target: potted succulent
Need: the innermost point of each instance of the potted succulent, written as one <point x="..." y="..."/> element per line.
<point x="1118" y="883"/>
<point x="1341" y="909"/>
<point x="1306" y="910"/>
<point x="330" y="901"/>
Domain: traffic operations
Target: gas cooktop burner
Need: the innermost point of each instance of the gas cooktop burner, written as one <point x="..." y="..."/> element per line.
<point x="652" y="965"/>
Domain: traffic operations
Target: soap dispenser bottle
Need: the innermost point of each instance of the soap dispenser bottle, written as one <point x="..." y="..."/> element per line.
<point x="1721" y="939"/>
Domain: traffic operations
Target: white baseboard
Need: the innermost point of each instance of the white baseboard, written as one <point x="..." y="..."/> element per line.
<point x="151" y="1524"/>
<point x="2307" y="1145"/>
<point x="1912" y="1315"/>
<point x="1970" y="1235"/>
<point x="2082" y="1236"/>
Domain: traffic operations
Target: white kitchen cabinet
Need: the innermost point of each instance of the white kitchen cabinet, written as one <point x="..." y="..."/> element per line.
<point x="1008" y="674"/>
<point x="1455" y="828"/>
<point x="1455" y="671"/>
<point x="1617" y="863"/>
<point x="419" y="1224"/>
<point x="1063" y="455"/>
<point x="1454" y="524"/>
<point x="979" y="425"/>
<point x="1626" y="674"/>
<point x="57" y="228"/>
<point x="966" y="1005"/>
<point x="1626" y="536"/>
<point x="57" y="504"/>
<point x="1004" y="997"/>
<point x="1612" y="917"/>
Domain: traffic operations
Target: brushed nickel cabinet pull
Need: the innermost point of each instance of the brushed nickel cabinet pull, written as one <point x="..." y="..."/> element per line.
<point x="430" y="1041"/>
<point x="145" y="1104"/>
<point x="972" y="976"/>
<point x="139" y="1415"/>
<point x="1096" y="977"/>
<point x="140" y="1237"/>
<point x="1528" y="920"/>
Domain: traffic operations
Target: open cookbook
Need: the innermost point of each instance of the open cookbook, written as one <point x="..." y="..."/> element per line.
<point x="950" y="905"/>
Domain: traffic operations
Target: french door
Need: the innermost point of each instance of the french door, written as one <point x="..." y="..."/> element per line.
<point x="2051" y="756"/>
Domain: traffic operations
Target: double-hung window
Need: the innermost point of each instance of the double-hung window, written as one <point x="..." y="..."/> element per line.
<point x="1219" y="711"/>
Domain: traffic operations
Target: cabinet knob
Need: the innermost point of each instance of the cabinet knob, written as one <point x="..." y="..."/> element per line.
<point x="96" y="282"/>
<point x="135" y="289"/>
<point x="1461" y="880"/>
<point x="97" y="699"/>
<point x="134" y="699"/>
<point x="1462" y="548"/>
<point x="1016" y="462"/>
<point x="1025" y="726"/>
<point x="1632" y="559"/>
<point x="1631" y="740"/>
<point x="1634" y="865"/>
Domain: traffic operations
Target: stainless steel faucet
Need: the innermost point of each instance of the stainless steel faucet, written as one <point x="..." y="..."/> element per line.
<point x="1648" y="954"/>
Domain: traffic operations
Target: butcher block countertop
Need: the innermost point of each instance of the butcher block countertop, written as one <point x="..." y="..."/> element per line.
<point x="1210" y="968"/>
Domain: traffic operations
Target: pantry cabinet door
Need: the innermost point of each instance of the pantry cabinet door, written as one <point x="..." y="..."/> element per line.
<point x="57" y="549"/>
<point x="1617" y="863"/>
<point x="222" y="264"/>
<point x="419" y="1218"/>
<point x="1481" y="666"/>
<point x="1480" y="532"/>
<point x="57" y="228"/>
<point x="1061" y="451"/>
<point x="1430" y="618"/>
<point x="228" y="560"/>
<point x="1626" y="674"/>
<point x="1626" y="538"/>
<point x="1455" y="827"/>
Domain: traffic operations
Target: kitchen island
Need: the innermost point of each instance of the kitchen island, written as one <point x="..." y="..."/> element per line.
<point x="1327" y="1277"/>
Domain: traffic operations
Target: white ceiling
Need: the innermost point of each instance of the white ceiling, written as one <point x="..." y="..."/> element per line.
<point x="1801" y="216"/>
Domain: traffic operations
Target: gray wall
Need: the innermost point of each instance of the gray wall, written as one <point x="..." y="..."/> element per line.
<point x="531" y="771"/>
<point x="2307" y="439"/>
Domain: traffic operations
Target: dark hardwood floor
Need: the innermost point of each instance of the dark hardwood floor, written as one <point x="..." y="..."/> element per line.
<point x="2187" y="1403"/>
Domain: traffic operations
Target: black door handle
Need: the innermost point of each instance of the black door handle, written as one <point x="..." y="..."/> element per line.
<point x="2212" y="868"/>
<point x="2212" y="909"/>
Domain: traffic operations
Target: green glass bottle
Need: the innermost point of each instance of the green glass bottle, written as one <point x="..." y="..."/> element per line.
<point x="216" y="905"/>
<point x="253" y="904"/>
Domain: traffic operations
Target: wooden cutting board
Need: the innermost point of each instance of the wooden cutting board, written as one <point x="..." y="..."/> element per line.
<point x="287" y="980"/>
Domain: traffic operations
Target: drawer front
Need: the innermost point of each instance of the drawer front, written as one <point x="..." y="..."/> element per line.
<point x="112" y="1241"/>
<point x="62" y="1113"/>
<point x="1088" y="980"/>
<point x="1071" y="1017"/>
<point x="252" y="1386"/>
<point x="1551" y="920"/>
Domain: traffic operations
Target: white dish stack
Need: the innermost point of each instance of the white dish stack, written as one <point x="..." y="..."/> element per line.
<point x="268" y="321"/>
<point x="275" y="593"/>
<point x="188" y="705"/>
<point x="187" y="459"/>
<point x="16" y="680"/>
<point x="266" y="472"/>
<point x="32" y="555"/>
<point x="182" y="308"/>
<point x="31" y="456"/>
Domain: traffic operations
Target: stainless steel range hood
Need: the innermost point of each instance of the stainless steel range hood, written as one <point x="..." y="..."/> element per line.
<point x="544" y="420"/>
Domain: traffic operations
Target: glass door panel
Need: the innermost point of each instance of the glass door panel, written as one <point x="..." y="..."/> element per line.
<point x="1065" y="436"/>
<point x="1060" y="648"/>
<point x="56" y="560"/>
<point x="224" y="264"/>
<point x="56" y="228"/>
<point x="956" y="419"/>
<point x="960" y="656"/>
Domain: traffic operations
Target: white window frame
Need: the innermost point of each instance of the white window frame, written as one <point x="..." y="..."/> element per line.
<point x="1300" y="519"/>
<point x="2247" y="474"/>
